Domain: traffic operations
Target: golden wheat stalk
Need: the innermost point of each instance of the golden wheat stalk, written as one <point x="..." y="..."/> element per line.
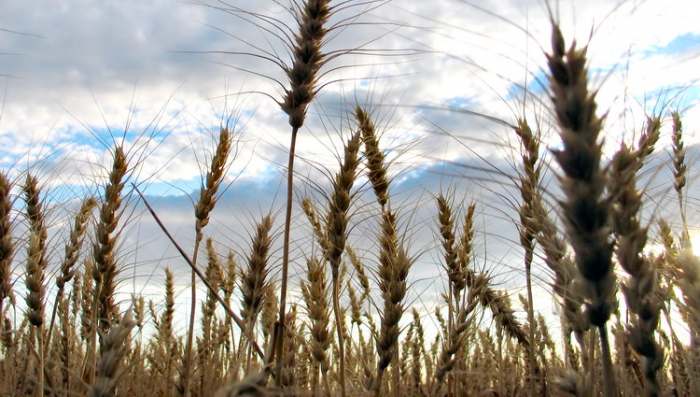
<point x="203" y="208"/>
<point x="303" y="74"/>
<point x="36" y="264"/>
<point x="72" y="249"/>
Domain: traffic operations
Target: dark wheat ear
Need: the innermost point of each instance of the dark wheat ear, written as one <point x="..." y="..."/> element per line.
<point x="6" y="244"/>
<point x="585" y="210"/>
<point x="639" y="289"/>
<point x="648" y="140"/>
<point x="339" y="204"/>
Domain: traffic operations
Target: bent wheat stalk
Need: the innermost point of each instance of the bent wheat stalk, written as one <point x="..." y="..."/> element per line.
<point x="202" y="277"/>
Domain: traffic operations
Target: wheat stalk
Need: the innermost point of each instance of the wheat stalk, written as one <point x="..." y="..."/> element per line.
<point x="640" y="287"/>
<point x="72" y="249"/>
<point x="307" y="61"/>
<point x="586" y="211"/>
<point x="36" y="265"/>
<point x="202" y="210"/>
<point x="336" y="233"/>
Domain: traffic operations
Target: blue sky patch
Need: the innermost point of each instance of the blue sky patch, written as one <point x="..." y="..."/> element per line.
<point x="679" y="45"/>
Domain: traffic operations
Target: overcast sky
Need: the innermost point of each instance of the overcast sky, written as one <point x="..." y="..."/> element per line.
<point x="77" y="72"/>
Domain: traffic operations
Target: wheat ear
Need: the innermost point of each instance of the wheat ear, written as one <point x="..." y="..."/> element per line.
<point x="254" y="277"/>
<point x="374" y="156"/>
<point x="586" y="211"/>
<point x="315" y="293"/>
<point x="6" y="244"/>
<point x="457" y="336"/>
<point x="394" y="264"/>
<point x="640" y="288"/>
<point x="36" y="264"/>
<point x="108" y="370"/>
<point x="679" y="172"/>
<point x="105" y="271"/>
<point x="72" y="249"/>
<point x="648" y="140"/>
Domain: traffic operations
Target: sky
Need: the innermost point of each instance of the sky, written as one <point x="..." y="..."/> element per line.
<point x="163" y="76"/>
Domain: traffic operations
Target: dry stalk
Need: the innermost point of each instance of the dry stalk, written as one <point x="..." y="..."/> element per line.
<point x="308" y="58"/>
<point x="36" y="264"/>
<point x="202" y="211"/>
<point x="72" y="250"/>
<point x="336" y="234"/>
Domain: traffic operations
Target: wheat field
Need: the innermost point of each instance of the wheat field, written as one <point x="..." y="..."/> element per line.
<point x="626" y="284"/>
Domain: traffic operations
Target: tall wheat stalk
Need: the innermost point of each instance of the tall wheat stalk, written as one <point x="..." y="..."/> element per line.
<point x="303" y="75"/>
<point x="36" y="264"/>
<point x="528" y="185"/>
<point x="336" y="233"/>
<point x="204" y="206"/>
<point x="585" y="210"/>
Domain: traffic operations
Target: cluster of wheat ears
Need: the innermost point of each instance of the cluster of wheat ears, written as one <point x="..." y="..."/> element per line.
<point x="353" y="332"/>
